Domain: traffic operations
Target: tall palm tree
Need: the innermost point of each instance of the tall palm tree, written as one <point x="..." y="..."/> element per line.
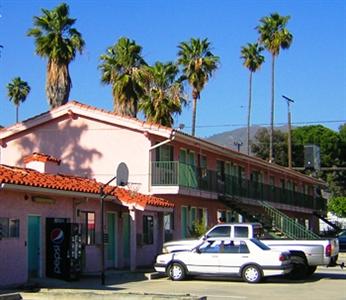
<point x="252" y="59"/>
<point x="120" y="67"/>
<point x="17" y="91"/>
<point x="163" y="95"/>
<point x="198" y="64"/>
<point x="58" y="41"/>
<point x="274" y="36"/>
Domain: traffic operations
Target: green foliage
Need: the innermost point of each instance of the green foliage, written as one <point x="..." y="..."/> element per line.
<point x="337" y="205"/>
<point x="198" y="228"/>
<point x="252" y="57"/>
<point x="58" y="41"/>
<point x="198" y="63"/>
<point x="121" y="67"/>
<point x="325" y="138"/>
<point x="17" y="91"/>
<point x="163" y="96"/>
<point x="274" y="34"/>
<point x="261" y="147"/>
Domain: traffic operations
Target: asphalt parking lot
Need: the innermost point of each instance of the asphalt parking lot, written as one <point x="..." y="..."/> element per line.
<point x="324" y="284"/>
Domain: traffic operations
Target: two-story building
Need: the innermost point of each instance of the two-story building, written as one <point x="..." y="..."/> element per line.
<point x="204" y="181"/>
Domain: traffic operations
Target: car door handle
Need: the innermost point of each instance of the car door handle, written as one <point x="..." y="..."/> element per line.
<point x="214" y="256"/>
<point x="245" y="256"/>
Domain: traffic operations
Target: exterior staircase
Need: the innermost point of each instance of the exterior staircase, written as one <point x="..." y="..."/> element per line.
<point x="276" y="224"/>
<point x="286" y="225"/>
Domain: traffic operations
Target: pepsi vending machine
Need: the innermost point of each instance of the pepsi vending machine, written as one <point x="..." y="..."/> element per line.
<point x="63" y="249"/>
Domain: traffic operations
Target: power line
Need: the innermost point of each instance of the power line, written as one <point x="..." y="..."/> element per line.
<point x="267" y="124"/>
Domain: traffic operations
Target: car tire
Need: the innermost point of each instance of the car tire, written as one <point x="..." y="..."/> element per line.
<point x="311" y="270"/>
<point x="252" y="274"/>
<point x="300" y="268"/>
<point x="176" y="272"/>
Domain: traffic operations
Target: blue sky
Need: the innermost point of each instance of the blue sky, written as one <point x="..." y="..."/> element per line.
<point x="312" y="71"/>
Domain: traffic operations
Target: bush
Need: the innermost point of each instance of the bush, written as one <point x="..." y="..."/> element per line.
<point x="337" y="205"/>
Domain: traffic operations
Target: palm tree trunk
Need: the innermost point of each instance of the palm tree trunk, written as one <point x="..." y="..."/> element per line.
<point x="194" y="108"/>
<point x="17" y="109"/>
<point x="249" y="115"/>
<point x="271" y="158"/>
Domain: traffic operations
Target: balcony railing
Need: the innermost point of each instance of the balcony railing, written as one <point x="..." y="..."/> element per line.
<point x="174" y="173"/>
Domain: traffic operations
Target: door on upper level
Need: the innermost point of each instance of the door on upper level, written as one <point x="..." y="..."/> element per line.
<point x="164" y="169"/>
<point x="187" y="169"/>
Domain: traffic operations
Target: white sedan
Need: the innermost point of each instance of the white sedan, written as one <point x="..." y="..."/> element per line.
<point x="247" y="258"/>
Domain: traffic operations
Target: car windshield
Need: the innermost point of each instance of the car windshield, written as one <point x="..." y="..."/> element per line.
<point x="260" y="244"/>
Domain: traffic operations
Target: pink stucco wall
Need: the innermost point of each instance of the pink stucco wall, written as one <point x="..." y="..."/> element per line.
<point x="86" y="148"/>
<point x="13" y="251"/>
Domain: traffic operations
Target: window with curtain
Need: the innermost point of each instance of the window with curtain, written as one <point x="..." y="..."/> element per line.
<point x="88" y="227"/>
<point x="9" y="228"/>
<point x="148" y="230"/>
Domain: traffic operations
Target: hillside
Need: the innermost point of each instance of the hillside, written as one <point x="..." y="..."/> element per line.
<point x="229" y="138"/>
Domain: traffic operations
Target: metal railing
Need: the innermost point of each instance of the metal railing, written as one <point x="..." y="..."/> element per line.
<point x="286" y="225"/>
<point x="175" y="173"/>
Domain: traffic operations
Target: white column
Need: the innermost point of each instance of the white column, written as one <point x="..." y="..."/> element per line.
<point x="133" y="239"/>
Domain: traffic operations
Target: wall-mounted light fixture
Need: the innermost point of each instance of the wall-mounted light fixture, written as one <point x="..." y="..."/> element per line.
<point x="42" y="199"/>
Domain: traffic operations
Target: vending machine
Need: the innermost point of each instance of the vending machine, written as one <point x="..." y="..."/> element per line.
<point x="63" y="249"/>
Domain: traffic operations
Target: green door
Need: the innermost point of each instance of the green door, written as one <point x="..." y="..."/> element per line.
<point x="126" y="238"/>
<point x="112" y="238"/>
<point x="184" y="222"/>
<point x="34" y="243"/>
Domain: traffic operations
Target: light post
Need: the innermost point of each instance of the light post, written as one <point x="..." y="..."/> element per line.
<point x="289" y="131"/>
<point x="103" y="196"/>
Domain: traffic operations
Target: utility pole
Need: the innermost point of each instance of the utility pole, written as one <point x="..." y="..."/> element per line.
<point x="103" y="195"/>
<point x="289" y="131"/>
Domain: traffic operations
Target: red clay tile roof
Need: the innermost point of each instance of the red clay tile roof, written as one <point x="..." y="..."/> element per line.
<point x="29" y="177"/>
<point x="40" y="157"/>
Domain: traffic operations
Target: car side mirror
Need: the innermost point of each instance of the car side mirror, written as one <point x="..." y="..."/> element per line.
<point x="198" y="251"/>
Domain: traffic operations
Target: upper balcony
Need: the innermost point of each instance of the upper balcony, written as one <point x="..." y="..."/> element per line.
<point x="177" y="177"/>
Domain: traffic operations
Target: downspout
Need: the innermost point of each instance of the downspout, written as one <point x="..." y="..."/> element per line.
<point x="170" y="139"/>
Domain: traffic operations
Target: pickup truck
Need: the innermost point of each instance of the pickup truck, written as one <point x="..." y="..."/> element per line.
<point x="306" y="255"/>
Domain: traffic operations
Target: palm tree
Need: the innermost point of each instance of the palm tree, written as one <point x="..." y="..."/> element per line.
<point x="163" y="95"/>
<point x="251" y="54"/>
<point x="274" y="36"/>
<point x="120" y="67"/>
<point x="198" y="64"/>
<point x="17" y="91"/>
<point x="58" y="41"/>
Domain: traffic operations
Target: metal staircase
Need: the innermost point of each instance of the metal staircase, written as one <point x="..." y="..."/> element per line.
<point x="286" y="225"/>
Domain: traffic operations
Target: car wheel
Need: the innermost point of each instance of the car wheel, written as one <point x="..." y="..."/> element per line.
<point x="300" y="268"/>
<point x="252" y="274"/>
<point x="176" y="272"/>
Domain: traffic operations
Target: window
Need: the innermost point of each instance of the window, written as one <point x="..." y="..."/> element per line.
<point x="148" y="230"/>
<point x="168" y="221"/>
<point x="9" y="228"/>
<point x="164" y="153"/>
<point x="220" y="231"/>
<point x="220" y="170"/>
<point x="168" y="225"/>
<point x="88" y="227"/>
<point x="240" y="231"/>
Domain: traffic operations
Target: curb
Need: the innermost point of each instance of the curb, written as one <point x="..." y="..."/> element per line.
<point x="11" y="296"/>
<point x="105" y="296"/>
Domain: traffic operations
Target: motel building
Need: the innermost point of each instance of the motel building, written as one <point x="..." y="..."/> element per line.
<point x="167" y="182"/>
